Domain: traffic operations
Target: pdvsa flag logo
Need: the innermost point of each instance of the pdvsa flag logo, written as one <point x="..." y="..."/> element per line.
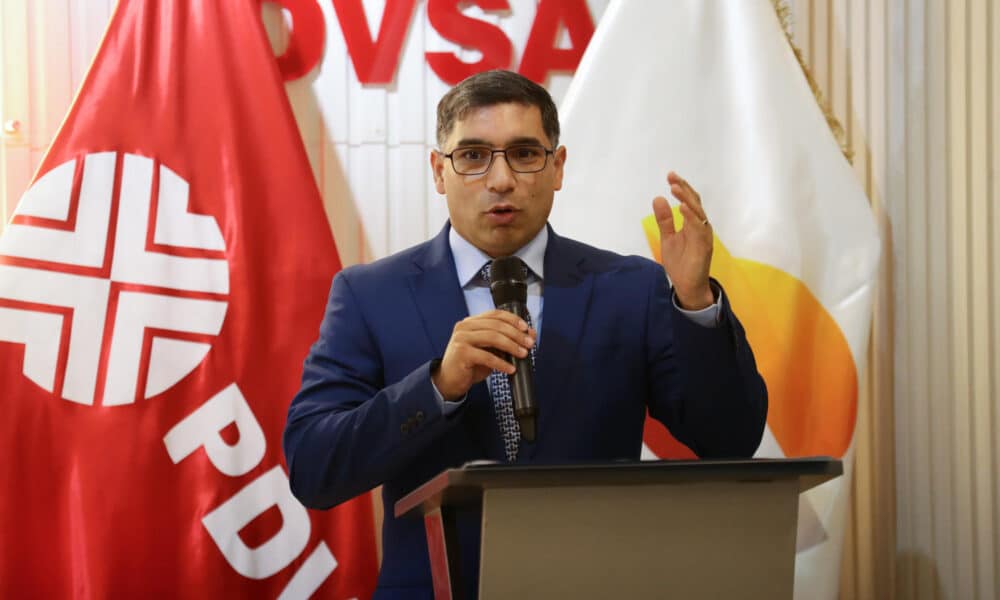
<point x="115" y="290"/>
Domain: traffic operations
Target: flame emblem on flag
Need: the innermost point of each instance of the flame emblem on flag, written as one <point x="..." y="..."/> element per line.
<point x="801" y="353"/>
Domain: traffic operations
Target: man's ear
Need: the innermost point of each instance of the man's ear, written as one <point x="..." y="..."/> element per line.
<point x="558" y="162"/>
<point x="437" y="170"/>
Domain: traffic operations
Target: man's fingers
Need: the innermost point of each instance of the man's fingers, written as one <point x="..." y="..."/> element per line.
<point x="698" y="222"/>
<point x="501" y="315"/>
<point x="675" y="179"/>
<point x="477" y="346"/>
<point x="686" y="194"/>
<point x="495" y="340"/>
<point x="478" y="357"/>
<point x="664" y="216"/>
<point x="479" y="342"/>
<point x="475" y="326"/>
<point x="689" y="198"/>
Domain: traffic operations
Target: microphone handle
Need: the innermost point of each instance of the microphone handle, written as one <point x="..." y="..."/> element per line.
<point x="522" y="382"/>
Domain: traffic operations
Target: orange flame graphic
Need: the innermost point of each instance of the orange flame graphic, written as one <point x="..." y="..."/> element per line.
<point x="801" y="353"/>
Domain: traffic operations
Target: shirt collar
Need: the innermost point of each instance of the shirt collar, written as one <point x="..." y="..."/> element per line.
<point x="469" y="259"/>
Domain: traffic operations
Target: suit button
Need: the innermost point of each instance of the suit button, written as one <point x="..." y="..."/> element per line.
<point x="420" y="416"/>
<point x="404" y="428"/>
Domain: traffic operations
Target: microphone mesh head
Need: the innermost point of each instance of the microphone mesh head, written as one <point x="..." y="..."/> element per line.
<point x="508" y="283"/>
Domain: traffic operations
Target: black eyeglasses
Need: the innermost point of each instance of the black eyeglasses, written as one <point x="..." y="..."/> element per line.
<point x="521" y="158"/>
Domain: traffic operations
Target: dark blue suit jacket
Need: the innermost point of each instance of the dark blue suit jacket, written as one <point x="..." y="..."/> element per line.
<point x="612" y="345"/>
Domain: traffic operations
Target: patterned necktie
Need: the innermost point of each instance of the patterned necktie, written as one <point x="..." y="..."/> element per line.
<point x="503" y="399"/>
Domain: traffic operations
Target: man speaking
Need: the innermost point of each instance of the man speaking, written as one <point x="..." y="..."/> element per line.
<point x="409" y="375"/>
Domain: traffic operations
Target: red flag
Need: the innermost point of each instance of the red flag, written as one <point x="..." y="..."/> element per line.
<point x="160" y="284"/>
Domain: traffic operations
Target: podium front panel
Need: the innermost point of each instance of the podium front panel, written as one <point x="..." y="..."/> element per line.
<point x="696" y="540"/>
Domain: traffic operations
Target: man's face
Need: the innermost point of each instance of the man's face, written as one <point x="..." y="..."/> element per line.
<point x="500" y="210"/>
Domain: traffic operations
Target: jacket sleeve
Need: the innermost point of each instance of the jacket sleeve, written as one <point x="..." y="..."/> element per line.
<point x="347" y="431"/>
<point x="704" y="385"/>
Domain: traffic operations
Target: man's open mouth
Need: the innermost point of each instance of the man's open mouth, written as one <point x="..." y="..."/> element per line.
<point x="501" y="209"/>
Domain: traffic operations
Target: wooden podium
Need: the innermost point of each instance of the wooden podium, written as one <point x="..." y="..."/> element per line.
<point x="665" y="529"/>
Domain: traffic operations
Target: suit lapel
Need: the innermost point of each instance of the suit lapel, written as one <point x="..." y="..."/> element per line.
<point x="437" y="293"/>
<point x="441" y="303"/>
<point x="566" y="296"/>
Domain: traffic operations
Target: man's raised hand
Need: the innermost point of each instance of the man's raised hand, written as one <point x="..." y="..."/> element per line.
<point x="686" y="254"/>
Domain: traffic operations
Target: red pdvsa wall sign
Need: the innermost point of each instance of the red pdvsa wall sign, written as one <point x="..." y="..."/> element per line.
<point x="376" y="56"/>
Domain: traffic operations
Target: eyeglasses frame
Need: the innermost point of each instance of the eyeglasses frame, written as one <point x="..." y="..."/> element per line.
<point x="493" y="153"/>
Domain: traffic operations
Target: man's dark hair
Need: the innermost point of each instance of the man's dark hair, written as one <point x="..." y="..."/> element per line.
<point x="495" y="87"/>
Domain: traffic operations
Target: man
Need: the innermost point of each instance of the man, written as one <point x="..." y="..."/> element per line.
<point x="397" y="387"/>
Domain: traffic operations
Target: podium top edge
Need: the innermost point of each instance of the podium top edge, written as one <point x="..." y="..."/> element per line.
<point x="465" y="484"/>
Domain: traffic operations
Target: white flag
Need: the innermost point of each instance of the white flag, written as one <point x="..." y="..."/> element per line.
<point x="711" y="90"/>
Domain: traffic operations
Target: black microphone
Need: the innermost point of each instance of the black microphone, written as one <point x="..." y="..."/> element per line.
<point x="509" y="289"/>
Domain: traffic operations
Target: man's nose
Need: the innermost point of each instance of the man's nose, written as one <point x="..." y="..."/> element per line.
<point x="500" y="178"/>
